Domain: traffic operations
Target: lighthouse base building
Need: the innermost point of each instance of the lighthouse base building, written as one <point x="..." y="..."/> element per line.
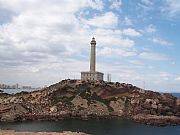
<point x="92" y="74"/>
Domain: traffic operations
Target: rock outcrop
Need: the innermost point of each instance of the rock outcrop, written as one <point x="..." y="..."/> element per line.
<point x="91" y="99"/>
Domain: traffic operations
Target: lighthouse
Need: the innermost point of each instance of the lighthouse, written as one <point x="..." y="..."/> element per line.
<point x="93" y="56"/>
<point x="92" y="75"/>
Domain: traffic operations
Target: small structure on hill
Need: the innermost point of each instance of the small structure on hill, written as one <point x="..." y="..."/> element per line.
<point x="92" y="74"/>
<point x="108" y="77"/>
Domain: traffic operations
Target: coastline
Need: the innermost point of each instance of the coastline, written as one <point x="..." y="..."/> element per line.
<point x="12" y="132"/>
<point x="146" y="119"/>
<point x="94" y="127"/>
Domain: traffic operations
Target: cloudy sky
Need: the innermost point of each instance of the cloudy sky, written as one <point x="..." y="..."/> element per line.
<point x="45" y="41"/>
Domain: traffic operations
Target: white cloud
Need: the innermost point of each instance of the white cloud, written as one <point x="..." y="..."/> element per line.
<point x="45" y="73"/>
<point x="177" y="79"/>
<point x="110" y="37"/>
<point x="135" y="62"/>
<point x="96" y="4"/>
<point x="171" y="7"/>
<point x="41" y="31"/>
<point x="107" y="20"/>
<point x="116" y="4"/>
<point x="106" y="51"/>
<point x="161" y="41"/>
<point x="173" y="62"/>
<point x="153" y="56"/>
<point x="70" y="6"/>
<point x="147" y="2"/>
<point x="131" y="32"/>
<point x="150" y="67"/>
<point x="128" y="21"/>
<point x="144" y="7"/>
<point x="110" y="40"/>
<point x="150" y="29"/>
<point x="42" y="37"/>
<point x="165" y="75"/>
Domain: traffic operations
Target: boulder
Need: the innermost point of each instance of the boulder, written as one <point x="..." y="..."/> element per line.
<point x="178" y="102"/>
<point x="159" y="106"/>
<point x="12" y="99"/>
<point x="156" y="120"/>
<point x="150" y="101"/>
<point x="98" y="108"/>
<point x="142" y="91"/>
<point x="118" y="106"/>
<point x="135" y="101"/>
<point x="9" y="117"/>
<point x="53" y="109"/>
<point x="79" y="101"/>
<point x="1" y="100"/>
<point x="154" y="106"/>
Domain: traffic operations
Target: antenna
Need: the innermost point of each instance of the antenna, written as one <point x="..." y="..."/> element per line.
<point x="144" y="84"/>
<point x="109" y="77"/>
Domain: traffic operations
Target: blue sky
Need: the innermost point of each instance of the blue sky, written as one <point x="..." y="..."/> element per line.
<point x="44" y="41"/>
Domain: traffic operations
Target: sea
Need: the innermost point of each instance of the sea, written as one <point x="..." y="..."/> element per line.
<point x="94" y="127"/>
<point x="176" y="95"/>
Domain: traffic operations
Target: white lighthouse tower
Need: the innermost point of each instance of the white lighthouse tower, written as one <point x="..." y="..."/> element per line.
<point x="92" y="74"/>
<point x="93" y="55"/>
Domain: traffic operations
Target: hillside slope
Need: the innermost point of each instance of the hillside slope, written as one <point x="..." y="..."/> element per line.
<point x="91" y="99"/>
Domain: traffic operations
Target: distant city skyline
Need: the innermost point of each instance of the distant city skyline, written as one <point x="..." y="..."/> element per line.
<point x="15" y="86"/>
<point x="43" y="42"/>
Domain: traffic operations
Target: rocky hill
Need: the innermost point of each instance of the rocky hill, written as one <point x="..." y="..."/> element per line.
<point x="91" y="99"/>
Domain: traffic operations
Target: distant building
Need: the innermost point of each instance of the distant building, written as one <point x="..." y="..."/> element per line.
<point x="92" y="74"/>
<point x="15" y="86"/>
<point x="26" y="87"/>
<point x="5" y="86"/>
